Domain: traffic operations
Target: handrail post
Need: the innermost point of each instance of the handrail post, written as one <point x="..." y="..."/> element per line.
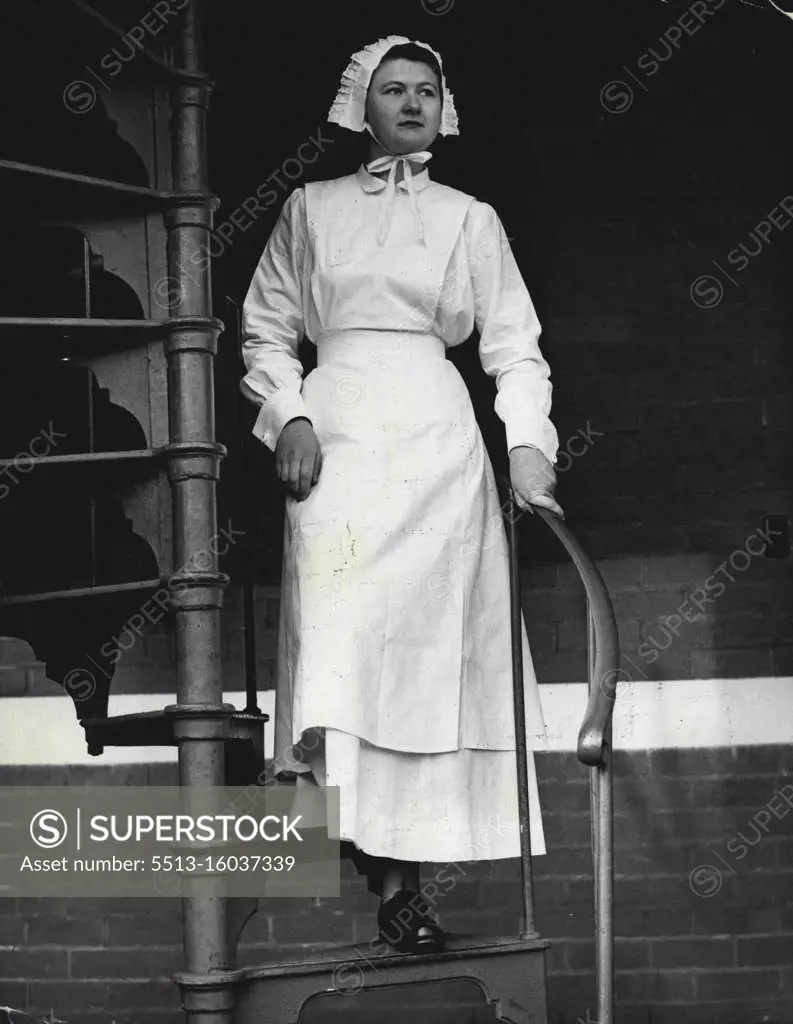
<point x="603" y="828"/>
<point x="528" y="927"/>
<point x="595" y="750"/>
<point x="602" y="819"/>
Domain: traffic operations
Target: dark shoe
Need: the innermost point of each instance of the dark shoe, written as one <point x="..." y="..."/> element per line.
<point x="406" y="924"/>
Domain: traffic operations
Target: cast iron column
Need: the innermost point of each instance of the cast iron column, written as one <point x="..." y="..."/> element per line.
<point x="199" y="716"/>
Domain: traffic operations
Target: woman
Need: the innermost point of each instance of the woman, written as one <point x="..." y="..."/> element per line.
<point x="394" y="671"/>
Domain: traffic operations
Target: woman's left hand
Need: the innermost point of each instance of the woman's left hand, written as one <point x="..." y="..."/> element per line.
<point x="533" y="479"/>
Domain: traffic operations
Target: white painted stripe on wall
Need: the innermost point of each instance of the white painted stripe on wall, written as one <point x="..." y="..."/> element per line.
<point x="679" y="713"/>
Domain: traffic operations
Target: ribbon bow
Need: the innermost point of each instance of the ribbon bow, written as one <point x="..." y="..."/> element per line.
<point x="390" y="163"/>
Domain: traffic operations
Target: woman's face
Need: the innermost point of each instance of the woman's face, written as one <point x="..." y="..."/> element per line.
<point x="403" y="105"/>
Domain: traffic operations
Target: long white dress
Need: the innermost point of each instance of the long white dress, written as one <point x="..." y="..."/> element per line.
<point x="394" y="670"/>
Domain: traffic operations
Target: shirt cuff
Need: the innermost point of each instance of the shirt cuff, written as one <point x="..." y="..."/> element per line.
<point x="281" y="407"/>
<point x="547" y="442"/>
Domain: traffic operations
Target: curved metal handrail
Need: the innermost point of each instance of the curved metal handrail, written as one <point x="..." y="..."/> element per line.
<point x="592" y="735"/>
<point x="594" y="743"/>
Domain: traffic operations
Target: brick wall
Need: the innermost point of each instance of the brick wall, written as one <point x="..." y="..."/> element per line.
<point x="674" y="621"/>
<point x="704" y="929"/>
<point x="694" y="414"/>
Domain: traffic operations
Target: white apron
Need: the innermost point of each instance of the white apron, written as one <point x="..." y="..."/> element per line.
<point x="394" y="673"/>
<point x="395" y="628"/>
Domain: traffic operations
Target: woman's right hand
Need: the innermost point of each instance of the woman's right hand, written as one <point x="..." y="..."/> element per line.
<point x="298" y="458"/>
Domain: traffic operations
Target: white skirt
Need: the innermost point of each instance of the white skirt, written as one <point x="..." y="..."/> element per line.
<point x="394" y="659"/>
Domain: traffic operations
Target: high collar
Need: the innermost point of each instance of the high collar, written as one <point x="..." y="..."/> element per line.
<point x="376" y="183"/>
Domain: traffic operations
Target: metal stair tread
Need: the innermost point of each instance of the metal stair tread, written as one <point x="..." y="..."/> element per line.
<point x="141" y="728"/>
<point x="88" y="459"/>
<point x="73" y="323"/>
<point x="147" y="728"/>
<point x="318" y="959"/>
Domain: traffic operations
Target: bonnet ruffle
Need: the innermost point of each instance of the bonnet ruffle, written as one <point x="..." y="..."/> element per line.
<point x="349" y="107"/>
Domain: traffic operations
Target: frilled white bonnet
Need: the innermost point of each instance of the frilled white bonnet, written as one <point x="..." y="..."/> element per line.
<point x="349" y="107"/>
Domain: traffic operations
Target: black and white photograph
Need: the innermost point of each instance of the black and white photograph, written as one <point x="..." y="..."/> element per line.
<point x="396" y="428"/>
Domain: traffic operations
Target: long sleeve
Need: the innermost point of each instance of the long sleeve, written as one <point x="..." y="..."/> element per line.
<point x="272" y="325"/>
<point x="509" y="335"/>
